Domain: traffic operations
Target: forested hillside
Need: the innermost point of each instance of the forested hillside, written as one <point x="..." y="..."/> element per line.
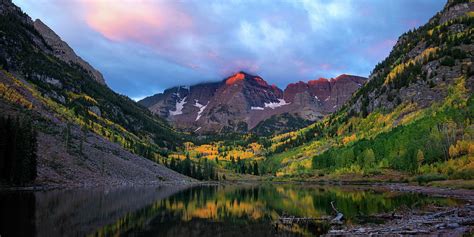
<point x="70" y="109"/>
<point x="414" y="115"/>
<point x="93" y="104"/>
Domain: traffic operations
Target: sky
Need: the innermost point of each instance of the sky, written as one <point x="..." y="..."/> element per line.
<point x="145" y="46"/>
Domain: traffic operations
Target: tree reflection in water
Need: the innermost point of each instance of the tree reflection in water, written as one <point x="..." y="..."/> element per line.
<point x="225" y="210"/>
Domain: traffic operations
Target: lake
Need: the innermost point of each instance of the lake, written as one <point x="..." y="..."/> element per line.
<point x="224" y="210"/>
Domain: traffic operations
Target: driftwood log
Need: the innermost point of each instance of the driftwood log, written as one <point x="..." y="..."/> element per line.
<point x="289" y="221"/>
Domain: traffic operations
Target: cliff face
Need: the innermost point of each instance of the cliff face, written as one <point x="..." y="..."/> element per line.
<point x="241" y="101"/>
<point x="62" y="50"/>
<point x="330" y="95"/>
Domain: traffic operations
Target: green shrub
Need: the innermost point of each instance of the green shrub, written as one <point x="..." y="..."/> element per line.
<point x="447" y="61"/>
<point x="464" y="174"/>
<point x="426" y="178"/>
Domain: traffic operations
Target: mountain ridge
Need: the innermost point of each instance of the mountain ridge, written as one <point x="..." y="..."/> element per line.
<point x="62" y="50"/>
<point x="241" y="101"/>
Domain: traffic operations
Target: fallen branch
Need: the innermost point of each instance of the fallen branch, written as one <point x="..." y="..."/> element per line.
<point x="291" y="220"/>
<point x="333" y="207"/>
<point x="339" y="215"/>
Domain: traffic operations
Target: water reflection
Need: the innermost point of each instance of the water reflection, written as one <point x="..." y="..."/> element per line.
<point x="244" y="210"/>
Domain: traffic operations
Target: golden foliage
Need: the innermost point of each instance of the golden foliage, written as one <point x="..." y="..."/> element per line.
<point x="348" y="139"/>
<point x="462" y="147"/>
<point x="421" y="58"/>
<point x="12" y="92"/>
<point x="256" y="148"/>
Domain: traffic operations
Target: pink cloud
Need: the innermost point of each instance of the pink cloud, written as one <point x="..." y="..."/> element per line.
<point x="141" y="21"/>
<point x="163" y="26"/>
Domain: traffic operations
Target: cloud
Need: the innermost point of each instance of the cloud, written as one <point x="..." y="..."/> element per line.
<point x="145" y="46"/>
<point x="322" y="13"/>
<point x="142" y="21"/>
<point x="262" y="36"/>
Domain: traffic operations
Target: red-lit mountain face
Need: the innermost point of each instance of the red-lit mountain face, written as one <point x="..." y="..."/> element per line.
<point x="242" y="101"/>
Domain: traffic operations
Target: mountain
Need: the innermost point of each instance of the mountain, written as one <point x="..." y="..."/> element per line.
<point x="86" y="133"/>
<point x="243" y="102"/>
<point x="414" y="114"/>
<point x="61" y="50"/>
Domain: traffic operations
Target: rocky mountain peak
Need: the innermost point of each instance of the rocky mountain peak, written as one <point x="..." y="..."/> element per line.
<point x="241" y="101"/>
<point x="240" y="76"/>
<point x="246" y="77"/>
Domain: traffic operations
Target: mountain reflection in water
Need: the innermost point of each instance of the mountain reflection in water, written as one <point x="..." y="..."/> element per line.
<point x="230" y="210"/>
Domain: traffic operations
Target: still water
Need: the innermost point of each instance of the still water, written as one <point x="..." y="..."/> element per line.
<point x="230" y="210"/>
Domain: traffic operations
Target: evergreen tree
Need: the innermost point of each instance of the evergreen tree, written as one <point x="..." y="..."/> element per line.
<point x="187" y="165"/>
<point x="18" y="148"/>
<point x="255" y="168"/>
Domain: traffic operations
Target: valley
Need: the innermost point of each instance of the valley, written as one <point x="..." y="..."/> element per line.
<point x="393" y="149"/>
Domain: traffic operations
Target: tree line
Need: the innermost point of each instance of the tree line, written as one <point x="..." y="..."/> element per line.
<point x="18" y="147"/>
<point x="241" y="167"/>
<point x="199" y="170"/>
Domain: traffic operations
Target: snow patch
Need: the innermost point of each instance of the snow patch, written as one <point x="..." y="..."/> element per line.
<point x="179" y="106"/>
<point x="256" y="108"/>
<point x="273" y="105"/>
<point x="201" y="108"/>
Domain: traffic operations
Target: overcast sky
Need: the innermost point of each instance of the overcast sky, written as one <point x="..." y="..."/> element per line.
<point x="145" y="46"/>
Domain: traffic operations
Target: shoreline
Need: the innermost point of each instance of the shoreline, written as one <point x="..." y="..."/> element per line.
<point x="50" y="187"/>
<point x="444" y="192"/>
